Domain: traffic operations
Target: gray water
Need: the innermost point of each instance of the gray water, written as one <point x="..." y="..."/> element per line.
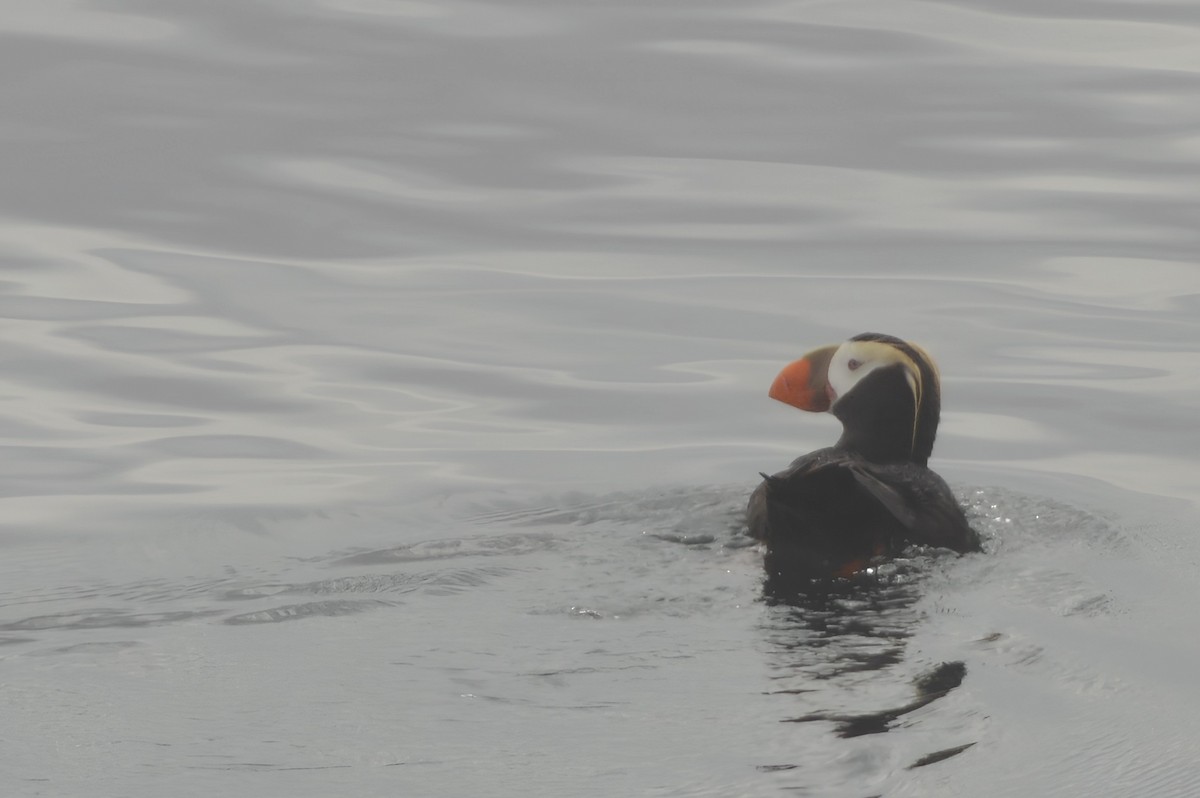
<point x="383" y="382"/>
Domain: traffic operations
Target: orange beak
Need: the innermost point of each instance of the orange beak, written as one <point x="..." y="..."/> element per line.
<point x="805" y="382"/>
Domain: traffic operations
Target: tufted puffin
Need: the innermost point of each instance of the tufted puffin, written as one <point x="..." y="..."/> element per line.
<point x="836" y="510"/>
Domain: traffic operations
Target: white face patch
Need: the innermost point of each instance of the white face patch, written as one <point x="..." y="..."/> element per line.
<point x="854" y="360"/>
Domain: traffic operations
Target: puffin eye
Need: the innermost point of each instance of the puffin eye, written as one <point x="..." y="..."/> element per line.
<point x="853" y="364"/>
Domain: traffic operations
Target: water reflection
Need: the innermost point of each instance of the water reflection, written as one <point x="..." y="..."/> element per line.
<point x="840" y="664"/>
<point x="823" y="630"/>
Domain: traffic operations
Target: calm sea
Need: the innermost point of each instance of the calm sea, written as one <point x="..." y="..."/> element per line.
<point x="382" y="382"/>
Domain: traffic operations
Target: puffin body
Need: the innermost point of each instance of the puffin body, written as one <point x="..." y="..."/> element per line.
<point x="835" y="510"/>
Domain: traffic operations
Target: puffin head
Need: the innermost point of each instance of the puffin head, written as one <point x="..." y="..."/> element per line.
<point x="885" y="391"/>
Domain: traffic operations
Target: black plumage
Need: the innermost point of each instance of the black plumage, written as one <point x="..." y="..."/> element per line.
<point x="836" y="510"/>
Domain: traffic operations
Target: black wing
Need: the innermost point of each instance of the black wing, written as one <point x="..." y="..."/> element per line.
<point x="831" y="499"/>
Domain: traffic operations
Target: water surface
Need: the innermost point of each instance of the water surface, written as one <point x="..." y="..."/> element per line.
<point x="383" y="382"/>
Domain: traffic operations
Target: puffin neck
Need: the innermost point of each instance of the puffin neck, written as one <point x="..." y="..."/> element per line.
<point x="878" y="417"/>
